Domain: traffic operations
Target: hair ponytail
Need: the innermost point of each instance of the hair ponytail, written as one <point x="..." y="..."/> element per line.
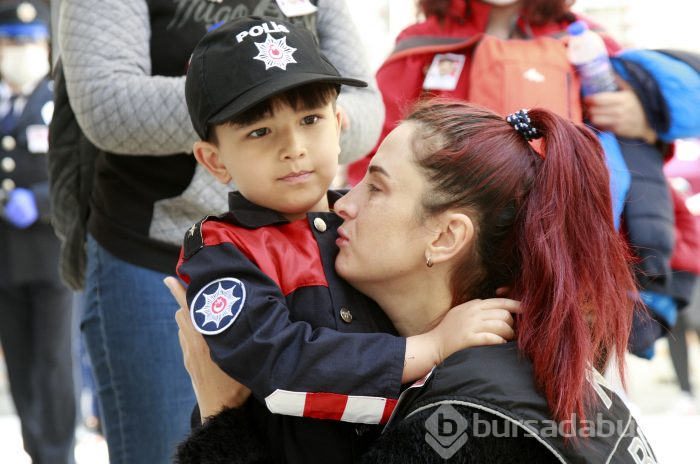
<point x="577" y="290"/>
<point x="544" y="227"/>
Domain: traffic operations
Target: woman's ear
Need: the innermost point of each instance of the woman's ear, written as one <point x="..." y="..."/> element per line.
<point x="454" y="235"/>
<point x="207" y="154"/>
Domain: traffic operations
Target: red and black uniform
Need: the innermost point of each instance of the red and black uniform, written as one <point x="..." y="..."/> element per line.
<point x="284" y="324"/>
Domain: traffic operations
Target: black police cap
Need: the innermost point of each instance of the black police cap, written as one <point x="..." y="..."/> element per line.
<point x="248" y="60"/>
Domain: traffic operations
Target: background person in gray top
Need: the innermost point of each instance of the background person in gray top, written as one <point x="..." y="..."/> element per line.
<point x="124" y="63"/>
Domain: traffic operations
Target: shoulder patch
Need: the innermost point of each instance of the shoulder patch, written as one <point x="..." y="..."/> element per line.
<point x="194" y="241"/>
<point x="217" y="305"/>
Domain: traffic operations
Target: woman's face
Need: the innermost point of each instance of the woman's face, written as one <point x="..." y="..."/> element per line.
<point x="382" y="237"/>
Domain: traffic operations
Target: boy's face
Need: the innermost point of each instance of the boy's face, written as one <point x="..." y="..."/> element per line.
<point x="285" y="161"/>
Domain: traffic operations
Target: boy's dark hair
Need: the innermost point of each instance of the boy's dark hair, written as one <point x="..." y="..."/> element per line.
<point x="307" y="96"/>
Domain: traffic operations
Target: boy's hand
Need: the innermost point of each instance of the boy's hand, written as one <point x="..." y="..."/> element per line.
<point x="213" y="388"/>
<point x="474" y="323"/>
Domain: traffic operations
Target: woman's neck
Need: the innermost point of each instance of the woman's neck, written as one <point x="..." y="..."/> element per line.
<point x="501" y="20"/>
<point x="414" y="305"/>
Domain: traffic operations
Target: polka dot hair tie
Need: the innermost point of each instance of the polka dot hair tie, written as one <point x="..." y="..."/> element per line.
<point x="521" y="123"/>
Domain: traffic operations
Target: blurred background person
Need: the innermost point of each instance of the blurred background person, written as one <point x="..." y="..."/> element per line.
<point x="35" y="308"/>
<point x="683" y="171"/>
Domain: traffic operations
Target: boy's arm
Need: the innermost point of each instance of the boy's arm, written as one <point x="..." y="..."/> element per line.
<point x="213" y="388"/>
<point x="295" y="368"/>
<point x="305" y="371"/>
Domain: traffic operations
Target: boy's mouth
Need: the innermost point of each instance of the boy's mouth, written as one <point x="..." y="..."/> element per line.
<point x="297" y="176"/>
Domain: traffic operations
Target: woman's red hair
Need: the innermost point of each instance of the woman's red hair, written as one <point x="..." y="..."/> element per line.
<point x="544" y="227"/>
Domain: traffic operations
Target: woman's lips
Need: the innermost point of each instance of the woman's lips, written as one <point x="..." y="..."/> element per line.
<point x="342" y="238"/>
<point x="296" y="177"/>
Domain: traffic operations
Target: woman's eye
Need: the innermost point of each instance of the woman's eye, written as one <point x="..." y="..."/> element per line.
<point x="372" y="188"/>
<point x="257" y="133"/>
<point x="308" y="120"/>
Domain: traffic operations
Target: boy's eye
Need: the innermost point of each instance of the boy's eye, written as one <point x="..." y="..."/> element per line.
<point x="257" y="133"/>
<point x="311" y="119"/>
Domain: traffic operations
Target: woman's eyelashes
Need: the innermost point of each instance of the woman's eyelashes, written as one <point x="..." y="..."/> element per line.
<point x="372" y="188"/>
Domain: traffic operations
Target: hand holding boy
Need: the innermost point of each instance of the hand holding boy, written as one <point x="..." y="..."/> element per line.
<point x="214" y="389"/>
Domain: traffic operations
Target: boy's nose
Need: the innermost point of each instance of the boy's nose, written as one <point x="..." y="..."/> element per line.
<point x="292" y="147"/>
<point x="293" y="153"/>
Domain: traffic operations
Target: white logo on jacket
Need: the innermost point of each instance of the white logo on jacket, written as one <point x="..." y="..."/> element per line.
<point x="217" y="305"/>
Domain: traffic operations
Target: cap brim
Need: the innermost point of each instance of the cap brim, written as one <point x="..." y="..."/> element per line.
<point x="269" y="89"/>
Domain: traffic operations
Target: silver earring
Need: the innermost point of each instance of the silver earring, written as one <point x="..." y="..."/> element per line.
<point x="429" y="261"/>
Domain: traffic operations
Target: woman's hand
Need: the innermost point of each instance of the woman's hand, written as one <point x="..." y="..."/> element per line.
<point x="474" y="323"/>
<point x="621" y="113"/>
<point x="214" y="389"/>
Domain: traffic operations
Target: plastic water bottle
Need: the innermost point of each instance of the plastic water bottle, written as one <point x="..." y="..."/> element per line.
<point x="587" y="52"/>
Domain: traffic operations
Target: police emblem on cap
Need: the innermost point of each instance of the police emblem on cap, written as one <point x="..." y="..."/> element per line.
<point x="217" y="305"/>
<point x="275" y="53"/>
<point x="26" y="12"/>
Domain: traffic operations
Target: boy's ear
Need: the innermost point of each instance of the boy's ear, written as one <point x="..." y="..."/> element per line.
<point x="207" y="154"/>
<point x="454" y="234"/>
<point x="339" y="119"/>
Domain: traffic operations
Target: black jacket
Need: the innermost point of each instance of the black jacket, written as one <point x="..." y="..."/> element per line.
<point x="488" y="395"/>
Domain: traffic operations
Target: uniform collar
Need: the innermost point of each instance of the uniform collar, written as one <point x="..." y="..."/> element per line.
<point x="249" y="215"/>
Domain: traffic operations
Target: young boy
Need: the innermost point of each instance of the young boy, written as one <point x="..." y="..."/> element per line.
<point x="262" y="284"/>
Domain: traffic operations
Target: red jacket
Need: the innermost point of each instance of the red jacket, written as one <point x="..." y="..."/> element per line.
<point x="400" y="78"/>
<point x="686" y="250"/>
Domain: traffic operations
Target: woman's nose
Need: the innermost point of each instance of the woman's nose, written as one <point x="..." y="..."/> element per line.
<point x="344" y="207"/>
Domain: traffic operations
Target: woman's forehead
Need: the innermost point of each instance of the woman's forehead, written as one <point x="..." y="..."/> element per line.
<point x="396" y="147"/>
<point x="394" y="161"/>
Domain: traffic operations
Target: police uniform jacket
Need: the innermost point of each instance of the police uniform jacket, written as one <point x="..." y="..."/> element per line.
<point x="278" y="319"/>
<point x="31" y="254"/>
<point x="493" y="413"/>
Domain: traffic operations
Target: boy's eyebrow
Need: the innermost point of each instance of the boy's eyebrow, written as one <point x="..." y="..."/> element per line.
<point x="255" y="120"/>
<point x="373" y="169"/>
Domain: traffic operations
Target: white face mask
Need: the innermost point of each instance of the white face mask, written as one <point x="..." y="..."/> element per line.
<point x="25" y="64"/>
<point x="499" y="2"/>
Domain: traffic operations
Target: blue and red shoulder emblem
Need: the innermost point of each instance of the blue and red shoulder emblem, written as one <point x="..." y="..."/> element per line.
<point x="217" y="305"/>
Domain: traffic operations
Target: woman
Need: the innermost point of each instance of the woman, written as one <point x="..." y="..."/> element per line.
<point x="456" y="204"/>
<point x="492" y="211"/>
<point x="642" y="200"/>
